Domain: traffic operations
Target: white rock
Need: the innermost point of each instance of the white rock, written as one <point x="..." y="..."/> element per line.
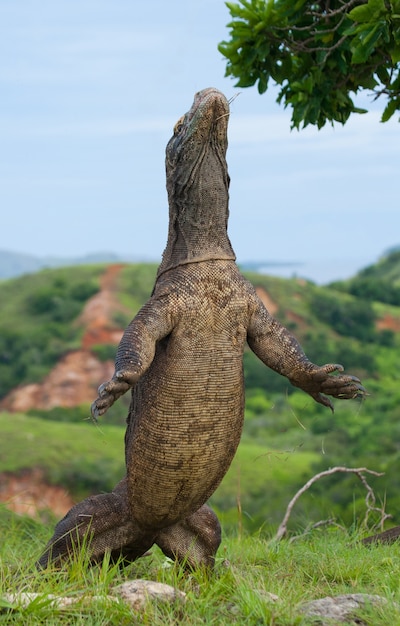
<point x="340" y="608"/>
<point x="137" y="592"/>
<point x="24" y="599"/>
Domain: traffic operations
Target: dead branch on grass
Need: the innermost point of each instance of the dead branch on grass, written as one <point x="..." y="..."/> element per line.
<point x="370" y="499"/>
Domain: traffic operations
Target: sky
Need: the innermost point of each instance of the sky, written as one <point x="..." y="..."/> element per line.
<point x="90" y="91"/>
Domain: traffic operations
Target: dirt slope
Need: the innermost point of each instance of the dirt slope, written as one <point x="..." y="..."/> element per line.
<point x="76" y="377"/>
<point x="27" y="493"/>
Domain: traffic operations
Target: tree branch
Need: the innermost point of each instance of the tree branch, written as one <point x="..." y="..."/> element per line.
<point x="359" y="472"/>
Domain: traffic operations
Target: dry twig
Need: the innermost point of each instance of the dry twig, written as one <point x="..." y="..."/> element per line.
<point x="370" y="499"/>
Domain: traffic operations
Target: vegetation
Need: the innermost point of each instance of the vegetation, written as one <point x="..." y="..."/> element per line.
<point x="319" y="53"/>
<point x="376" y="283"/>
<point x="248" y="568"/>
<point x="37" y="325"/>
<point x="135" y="286"/>
<point x="82" y="457"/>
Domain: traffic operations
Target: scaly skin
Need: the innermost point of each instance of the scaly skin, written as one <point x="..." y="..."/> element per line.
<point x="182" y="357"/>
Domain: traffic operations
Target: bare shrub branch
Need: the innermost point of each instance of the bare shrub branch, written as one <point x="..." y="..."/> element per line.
<point x="370" y="499"/>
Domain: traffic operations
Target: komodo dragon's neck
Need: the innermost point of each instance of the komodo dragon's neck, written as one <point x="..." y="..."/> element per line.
<point x="198" y="183"/>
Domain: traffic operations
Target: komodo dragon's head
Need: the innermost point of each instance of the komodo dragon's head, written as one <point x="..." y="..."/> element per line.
<point x="198" y="183"/>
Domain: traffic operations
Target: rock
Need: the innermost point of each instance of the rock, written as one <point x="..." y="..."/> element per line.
<point x="137" y="592"/>
<point x="267" y="596"/>
<point x="24" y="599"/>
<point x="340" y="609"/>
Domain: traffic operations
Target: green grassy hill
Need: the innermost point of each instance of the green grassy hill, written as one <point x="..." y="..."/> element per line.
<point x="38" y="322"/>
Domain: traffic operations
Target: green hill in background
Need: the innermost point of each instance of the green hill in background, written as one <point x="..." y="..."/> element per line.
<point x="379" y="282"/>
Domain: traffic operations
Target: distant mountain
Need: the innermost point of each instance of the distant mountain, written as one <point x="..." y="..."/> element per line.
<point x="14" y="264"/>
<point x="323" y="272"/>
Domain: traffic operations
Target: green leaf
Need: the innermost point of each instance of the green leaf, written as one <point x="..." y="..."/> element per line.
<point x="262" y="83"/>
<point x="383" y="74"/>
<point x="390" y="109"/>
<point x="360" y="14"/>
<point x="395" y="54"/>
<point x="246" y="81"/>
<point x="369" y="12"/>
<point x="368" y="38"/>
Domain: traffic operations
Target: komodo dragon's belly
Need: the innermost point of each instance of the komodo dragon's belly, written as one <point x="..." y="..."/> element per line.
<point x="184" y="431"/>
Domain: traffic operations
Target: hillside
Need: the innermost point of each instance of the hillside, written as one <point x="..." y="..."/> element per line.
<point x="58" y="334"/>
<point x="378" y="282"/>
<point x="387" y="268"/>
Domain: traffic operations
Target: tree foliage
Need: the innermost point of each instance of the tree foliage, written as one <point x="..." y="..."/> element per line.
<point x="319" y="53"/>
<point x="371" y="290"/>
<point x="350" y="318"/>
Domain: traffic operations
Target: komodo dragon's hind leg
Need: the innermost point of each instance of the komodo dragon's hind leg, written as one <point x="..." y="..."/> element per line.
<point x="194" y="541"/>
<point x="105" y="523"/>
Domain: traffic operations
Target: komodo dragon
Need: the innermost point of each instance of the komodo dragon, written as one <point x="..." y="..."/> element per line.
<point x="182" y="355"/>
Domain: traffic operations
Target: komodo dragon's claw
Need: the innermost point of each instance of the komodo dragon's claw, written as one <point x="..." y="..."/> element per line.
<point x="109" y="392"/>
<point x="319" y="382"/>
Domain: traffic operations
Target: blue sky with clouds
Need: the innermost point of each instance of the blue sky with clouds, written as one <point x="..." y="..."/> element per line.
<point x="90" y="90"/>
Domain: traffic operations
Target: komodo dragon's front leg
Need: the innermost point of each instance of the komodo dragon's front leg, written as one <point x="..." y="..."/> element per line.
<point x="279" y="350"/>
<point x="155" y="320"/>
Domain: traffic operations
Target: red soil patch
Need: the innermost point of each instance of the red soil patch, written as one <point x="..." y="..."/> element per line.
<point x="388" y="322"/>
<point x="97" y="314"/>
<point x="27" y="493"/>
<point x="73" y="381"/>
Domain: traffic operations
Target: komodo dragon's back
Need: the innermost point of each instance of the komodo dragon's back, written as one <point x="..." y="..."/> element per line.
<point x="182" y="356"/>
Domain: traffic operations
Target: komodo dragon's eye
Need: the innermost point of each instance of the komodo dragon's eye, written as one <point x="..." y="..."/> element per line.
<point x="178" y="125"/>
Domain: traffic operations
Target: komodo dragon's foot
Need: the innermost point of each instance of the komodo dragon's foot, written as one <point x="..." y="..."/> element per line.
<point x="318" y="381"/>
<point x="110" y="391"/>
<point x="101" y="524"/>
<point x="194" y="541"/>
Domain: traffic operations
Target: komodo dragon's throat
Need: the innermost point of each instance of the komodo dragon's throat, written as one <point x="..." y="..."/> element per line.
<point x="182" y="357"/>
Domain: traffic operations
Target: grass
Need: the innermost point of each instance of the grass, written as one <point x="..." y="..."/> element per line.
<point x="329" y="563"/>
<point x="82" y="457"/>
<point x="31" y="441"/>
